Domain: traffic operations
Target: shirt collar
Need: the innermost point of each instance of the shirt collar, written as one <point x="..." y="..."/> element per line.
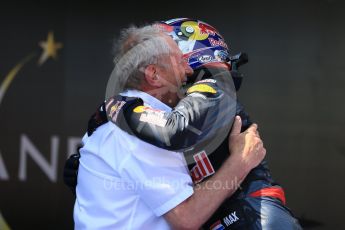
<point x="147" y="98"/>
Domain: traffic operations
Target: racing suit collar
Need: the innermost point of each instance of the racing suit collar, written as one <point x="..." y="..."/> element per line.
<point x="147" y="98"/>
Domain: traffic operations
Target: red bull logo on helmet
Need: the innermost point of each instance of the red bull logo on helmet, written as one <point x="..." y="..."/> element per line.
<point x="199" y="42"/>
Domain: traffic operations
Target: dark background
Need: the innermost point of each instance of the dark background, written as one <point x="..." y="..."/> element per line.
<point x="294" y="90"/>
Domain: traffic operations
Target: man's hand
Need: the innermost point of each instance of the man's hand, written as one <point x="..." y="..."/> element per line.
<point x="247" y="152"/>
<point x="246" y="147"/>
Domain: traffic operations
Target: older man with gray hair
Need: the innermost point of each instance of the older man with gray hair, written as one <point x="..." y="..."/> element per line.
<point x="127" y="183"/>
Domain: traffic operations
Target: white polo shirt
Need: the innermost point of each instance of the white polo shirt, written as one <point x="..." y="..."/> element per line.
<point x="125" y="183"/>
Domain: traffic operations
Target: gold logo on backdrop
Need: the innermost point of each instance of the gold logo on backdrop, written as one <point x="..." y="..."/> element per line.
<point x="50" y="48"/>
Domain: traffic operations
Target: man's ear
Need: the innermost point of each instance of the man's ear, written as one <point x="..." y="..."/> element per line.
<point x="152" y="77"/>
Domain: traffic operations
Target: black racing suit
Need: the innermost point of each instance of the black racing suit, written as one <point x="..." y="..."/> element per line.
<point x="258" y="204"/>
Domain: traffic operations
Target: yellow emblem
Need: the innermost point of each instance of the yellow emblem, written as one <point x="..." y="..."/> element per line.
<point x="113" y="108"/>
<point x="192" y="30"/>
<point x="139" y="109"/>
<point x="201" y="88"/>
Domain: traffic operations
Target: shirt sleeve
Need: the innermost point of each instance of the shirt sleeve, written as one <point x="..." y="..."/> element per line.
<point x="160" y="177"/>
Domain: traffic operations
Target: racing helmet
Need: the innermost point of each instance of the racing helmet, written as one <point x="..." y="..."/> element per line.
<point x="200" y="43"/>
<point x="203" y="46"/>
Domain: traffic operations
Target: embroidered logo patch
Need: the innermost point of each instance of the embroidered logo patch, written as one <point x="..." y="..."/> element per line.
<point x="152" y="116"/>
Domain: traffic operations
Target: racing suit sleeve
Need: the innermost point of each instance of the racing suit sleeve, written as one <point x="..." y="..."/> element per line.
<point x="190" y="122"/>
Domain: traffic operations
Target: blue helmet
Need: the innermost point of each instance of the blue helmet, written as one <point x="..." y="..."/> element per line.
<point x="200" y="43"/>
<point x="203" y="46"/>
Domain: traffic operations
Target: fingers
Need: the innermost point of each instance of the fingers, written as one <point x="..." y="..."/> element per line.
<point x="253" y="128"/>
<point x="236" y="128"/>
<point x="259" y="148"/>
<point x="263" y="152"/>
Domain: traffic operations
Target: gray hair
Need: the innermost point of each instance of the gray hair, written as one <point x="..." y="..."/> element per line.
<point x="137" y="48"/>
